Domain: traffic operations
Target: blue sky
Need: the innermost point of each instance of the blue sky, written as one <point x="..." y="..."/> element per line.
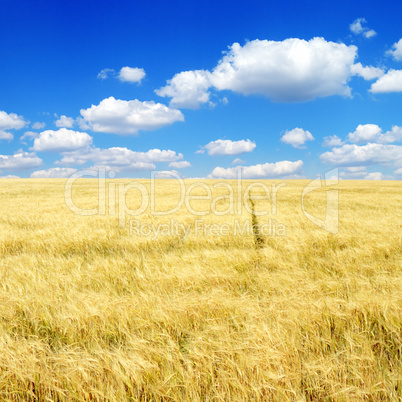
<point x="281" y="89"/>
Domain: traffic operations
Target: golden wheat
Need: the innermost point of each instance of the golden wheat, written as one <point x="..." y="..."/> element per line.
<point x="90" y="311"/>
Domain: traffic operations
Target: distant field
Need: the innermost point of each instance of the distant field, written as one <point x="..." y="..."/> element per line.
<point x="100" y="308"/>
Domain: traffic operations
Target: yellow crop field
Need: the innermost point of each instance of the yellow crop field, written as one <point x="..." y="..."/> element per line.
<point x="202" y="299"/>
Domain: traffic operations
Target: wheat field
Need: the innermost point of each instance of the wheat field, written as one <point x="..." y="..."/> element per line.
<point x="90" y="309"/>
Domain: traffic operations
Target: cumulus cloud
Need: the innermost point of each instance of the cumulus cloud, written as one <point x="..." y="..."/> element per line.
<point x="396" y="51"/>
<point x="394" y="135"/>
<point x="297" y="137"/>
<point x="370" y="33"/>
<point x="64" y="121"/>
<point x="38" y="125"/>
<point x="128" y="117"/>
<point x="120" y="159"/>
<point x="372" y="133"/>
<point x="390" y="82"/>
<point x="356" y="169"/>
<point x="9" y="176"/>
<point x="228" y="147"/>
<point x="20" y="160"/>
<point x="375" y="176"/>
<point x="332" y="141"/>
<point x="4" y="135"/>
<point x="126" y="74"/>
<point x="358" y="29"/>
<point x="61" y="140"/>
<point x="11" y="121"/>
<point x="131" y="74"/>
<point x="105" y="73"/>
<point x="188" y="89"/>
<point x="293" y="70"/>
<point x="356" y="26"/>
<point x="133" y="167"/>
<point x="179" y="165"/>
<point x="369" y="154"/>
<point x="398" y="171"/>
<point x="353" y="172"/>
<point x="360" y="173"/>
<point x="266" y="170"/>
<point x="29" y="134"/>
<point x="53" y="173"/>
<point x="238" y="161"/>
<point x="365" y="133"/>
<point x="377" y="149"/>
<point x="368" y="72"/>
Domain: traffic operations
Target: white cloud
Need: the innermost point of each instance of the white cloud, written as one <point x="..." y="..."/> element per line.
<point x="360" y="173"/>
<point x="370" y="33"/>
<point x="390" y="82"/>
<point x="64" y="121"/>
<point x="368" y="72"/>
<point x="53" y="173"/>
<point x="4" y="135"/>
<point x="266" y="170"/>
<point x="375" y="176"/>
<point x="365" y="133"/>
<point x="398" y="171"/>
<point x="38" y="125"/>
<point x="377" y="149"/>
<point x="10" y="121"/>
<point x="120" y="158"/>
<point x="20" y="160"/>
<point x="238" y="161"/>
<point x="293" y="70"/>
<point x="369" y="154"/>
<point x="29" y="134"/>
<point x="9" y="176"/>
<point x="179" y="165"/>
<point x="297" y="137"/>
<point x="128" y="117"/>
<point x="126" y="74"/>
<point x="228" y="147"/>
<point x="396" y="53"/>
<point x="394" y="135"/>
<point x="188" y="89"/>
<point x="332" y="141"/>
<point x="61" y="140"/>
<point x="353" y="173"/>
<point x="133" y="167"/>
<point x="105" y="73"/>
<point x="131" y="74"/>
<point x="358" y="29"/>
<point x="294" y="177"/>
<point x="356" y="169"/>
<point x="372" y="133"/>
<point x="356" y="26"/>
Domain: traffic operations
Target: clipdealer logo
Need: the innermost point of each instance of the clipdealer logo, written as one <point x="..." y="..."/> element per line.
<point x="112" y="197"/>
